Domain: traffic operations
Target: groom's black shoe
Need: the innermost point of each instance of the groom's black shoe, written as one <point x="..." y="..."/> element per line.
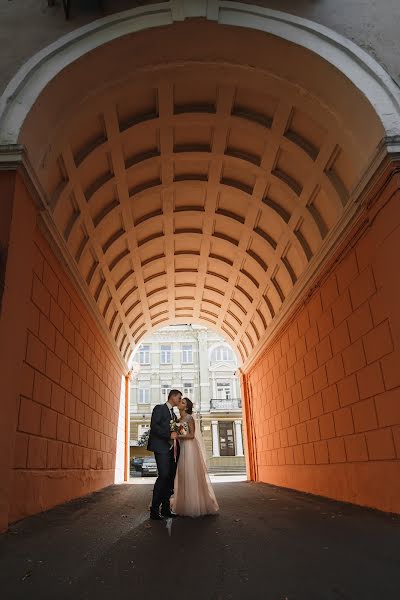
<point x="168" y="514"/>
<point x="156" y="516"/>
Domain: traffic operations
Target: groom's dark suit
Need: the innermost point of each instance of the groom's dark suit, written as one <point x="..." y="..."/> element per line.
<point x="160" y="443"/>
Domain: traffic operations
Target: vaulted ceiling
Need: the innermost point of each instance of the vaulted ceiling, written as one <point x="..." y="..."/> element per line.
<point x="199" y="191"/>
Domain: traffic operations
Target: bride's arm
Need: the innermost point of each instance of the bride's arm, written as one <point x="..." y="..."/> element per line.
<point x="190" y="434"/>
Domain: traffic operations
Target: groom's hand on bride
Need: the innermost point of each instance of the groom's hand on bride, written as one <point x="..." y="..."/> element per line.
<point x="174" y="435"/>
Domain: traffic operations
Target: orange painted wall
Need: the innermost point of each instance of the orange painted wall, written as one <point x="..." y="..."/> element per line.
<point x="6" y="193"/>
<point x="66" y="384"/>
<point x="326" y="394"/>
<point x="9" y="358"/>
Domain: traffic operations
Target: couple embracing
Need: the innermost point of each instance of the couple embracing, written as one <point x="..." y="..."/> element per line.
<point x="183" y="486"/>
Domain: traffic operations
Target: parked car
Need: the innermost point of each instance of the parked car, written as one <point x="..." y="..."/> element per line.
<point x="149" y="467"/>
<point x="136" y="463"/>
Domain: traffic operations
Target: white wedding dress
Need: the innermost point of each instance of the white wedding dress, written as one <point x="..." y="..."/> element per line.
<point x="193" y="492"/>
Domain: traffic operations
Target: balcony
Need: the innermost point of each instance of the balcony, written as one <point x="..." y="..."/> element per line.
<point x="141" y="410"/>
<point x="225" y="404"/>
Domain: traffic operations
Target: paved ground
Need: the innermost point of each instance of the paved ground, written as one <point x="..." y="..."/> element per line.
<point x="267" y="543"/>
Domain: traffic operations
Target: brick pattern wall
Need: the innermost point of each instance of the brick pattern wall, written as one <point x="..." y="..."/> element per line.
<point x="326" y="396"/>
<point x="70" y="396"/>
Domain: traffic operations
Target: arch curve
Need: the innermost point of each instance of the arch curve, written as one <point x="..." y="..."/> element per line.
<point x="358" y="66"/>
<point x="177" y="180"/>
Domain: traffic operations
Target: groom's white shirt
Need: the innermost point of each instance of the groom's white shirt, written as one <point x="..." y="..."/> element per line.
<point x="170" y="407"/>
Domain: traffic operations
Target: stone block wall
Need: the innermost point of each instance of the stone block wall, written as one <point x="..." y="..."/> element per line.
<point x="325" y="396"/>
<point x="69" y="401"/>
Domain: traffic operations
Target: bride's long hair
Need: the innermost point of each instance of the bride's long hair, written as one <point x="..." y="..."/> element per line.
<point x="197" y="430"/>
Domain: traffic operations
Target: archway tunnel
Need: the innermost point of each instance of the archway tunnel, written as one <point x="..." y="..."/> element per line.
<point x="204" y="173"/>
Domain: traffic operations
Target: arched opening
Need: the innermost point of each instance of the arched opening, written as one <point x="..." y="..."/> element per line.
<point x="201" y="364"/>
<point x="212" y="182"/>
<point x="194" y="189"/>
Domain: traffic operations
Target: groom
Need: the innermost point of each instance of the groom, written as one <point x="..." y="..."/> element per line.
<point x="161" y="443"/>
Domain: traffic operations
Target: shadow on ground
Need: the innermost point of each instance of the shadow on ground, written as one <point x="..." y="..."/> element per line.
<point x="267" y="542"/>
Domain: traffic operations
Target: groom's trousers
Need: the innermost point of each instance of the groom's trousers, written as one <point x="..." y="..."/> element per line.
<point x="164" y="485"/>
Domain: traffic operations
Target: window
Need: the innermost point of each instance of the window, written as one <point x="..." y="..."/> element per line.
<point x="224" y="391"/>
<point x="188" y="389"/>
<point x="144" y="395"/>
<point x="165" y="390"/>
<point x="187" y="353"/>
<point x="226" y="438"/>
<point x="144" y="354"/>
<point x="166" y="353"/>
<point x="223" y="354"/>
<point x="142" y="428"/>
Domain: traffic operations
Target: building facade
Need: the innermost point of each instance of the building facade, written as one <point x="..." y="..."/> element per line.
<point x="201" y="364"/>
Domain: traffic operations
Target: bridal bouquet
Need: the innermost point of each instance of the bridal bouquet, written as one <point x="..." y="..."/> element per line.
<point x="183" y="429"/>
<point x="174" y="426"/>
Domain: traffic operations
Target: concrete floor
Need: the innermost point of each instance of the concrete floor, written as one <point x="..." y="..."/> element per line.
<point x="267" y="543"/>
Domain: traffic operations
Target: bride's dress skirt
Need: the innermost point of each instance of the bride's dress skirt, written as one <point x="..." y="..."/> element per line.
<point x="193" y="492"/>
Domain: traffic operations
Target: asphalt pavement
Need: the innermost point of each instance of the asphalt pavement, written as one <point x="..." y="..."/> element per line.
<point x="266" y="543"/>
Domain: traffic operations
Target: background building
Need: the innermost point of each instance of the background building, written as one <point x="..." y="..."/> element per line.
<point x="201" y="363"/>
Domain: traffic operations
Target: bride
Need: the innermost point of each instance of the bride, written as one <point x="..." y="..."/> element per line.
<point x="193" y="492"/>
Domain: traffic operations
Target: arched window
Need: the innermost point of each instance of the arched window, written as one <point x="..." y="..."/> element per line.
<point x="222" y="354"/>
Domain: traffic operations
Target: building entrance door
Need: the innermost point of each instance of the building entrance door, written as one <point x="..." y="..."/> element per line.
<point x="226" y="439"/>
